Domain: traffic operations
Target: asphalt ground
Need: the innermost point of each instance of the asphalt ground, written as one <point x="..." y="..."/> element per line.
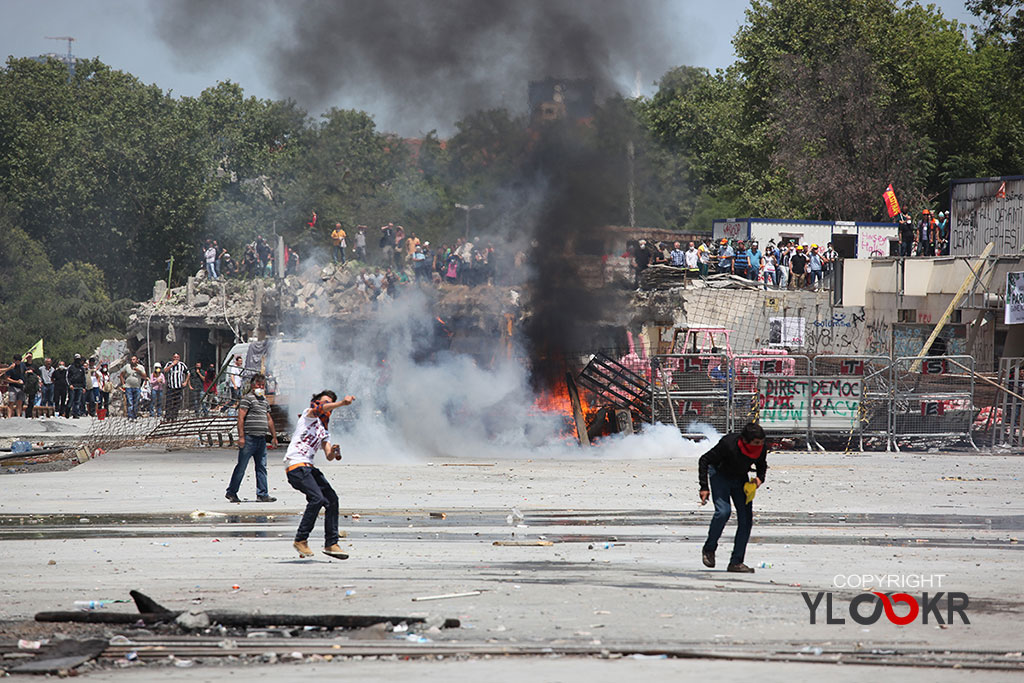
<point x="623" y="575"/>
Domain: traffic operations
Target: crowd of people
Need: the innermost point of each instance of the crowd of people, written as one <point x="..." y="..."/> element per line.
<point x="85" y="387"/>
<point x="786" y="265"/>
<point x="404" y="257"/>
<point x="926" y="236"/>
<point x="257" y="261"/>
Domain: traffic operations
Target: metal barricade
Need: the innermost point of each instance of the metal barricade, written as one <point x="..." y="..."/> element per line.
<point x="934" y="399"/>
<point x="691" y="387"/>
<point x="873" y="403"/>
<point x="1007" y="415"/>
<point x="773" y="390"/>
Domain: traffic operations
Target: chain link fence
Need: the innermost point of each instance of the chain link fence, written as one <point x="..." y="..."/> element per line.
<point x="692" y="387"/>
<point x="873" y="403"/>
<point x="839" y="402"/>
<point x="933" y="400"/>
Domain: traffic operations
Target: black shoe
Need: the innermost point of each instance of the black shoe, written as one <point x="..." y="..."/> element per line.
<point x="740" y="568"/>
<point x="709" y="558"/>
<point x="266" y="499"/>
<point x="232" y="498"/>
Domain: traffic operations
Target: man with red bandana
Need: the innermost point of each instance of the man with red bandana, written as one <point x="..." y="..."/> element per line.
<point x="729" y="463"/>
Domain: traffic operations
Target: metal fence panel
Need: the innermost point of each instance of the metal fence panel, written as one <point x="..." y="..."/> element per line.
<point x="768" y="389"/>
<point x="1007" y="415"/>
<point x="933" y="399"/>
<point x="692" y="387"/>
<point x="875" y="373"/>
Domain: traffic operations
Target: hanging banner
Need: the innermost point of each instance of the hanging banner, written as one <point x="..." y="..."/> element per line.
<point x="1014" y="298"/>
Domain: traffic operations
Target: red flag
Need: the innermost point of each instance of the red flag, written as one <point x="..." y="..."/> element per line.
<point x="1001" y="192"/>
<point x="891" y="204"/>
<point x="312" y="223"/>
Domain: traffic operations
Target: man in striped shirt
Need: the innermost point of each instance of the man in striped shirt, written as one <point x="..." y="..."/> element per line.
<point x="254" y="423"/>
<point x="176" y="373"/>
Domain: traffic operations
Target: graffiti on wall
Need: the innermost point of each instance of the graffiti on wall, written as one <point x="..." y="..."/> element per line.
<point x="908" y="338"/>
<point x="987" y="211"/>
<point x="872" y="245"/>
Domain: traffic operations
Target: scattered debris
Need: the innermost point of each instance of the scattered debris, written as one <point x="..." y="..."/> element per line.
<point x="523" y="543"/>
<point x="151" y="612"/>
<point x="446" y="596"/>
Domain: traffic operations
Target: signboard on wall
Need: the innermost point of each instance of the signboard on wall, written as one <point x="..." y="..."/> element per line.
<point x="729" y="229"/>
<point x="987" y="210"/>
<point x="830" y="403"/>
<point x="788" y="332"/>
<point x="1014" y="299"/>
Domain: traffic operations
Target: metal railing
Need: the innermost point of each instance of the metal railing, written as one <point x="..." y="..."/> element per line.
<point x="839" y="402"/>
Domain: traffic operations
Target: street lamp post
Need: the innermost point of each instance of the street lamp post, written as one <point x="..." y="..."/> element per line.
<point x="467" y="208"/>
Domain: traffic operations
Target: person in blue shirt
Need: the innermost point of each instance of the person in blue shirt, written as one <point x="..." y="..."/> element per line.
<point x="725" y="257"/>
<point x="677" y="257"/>
<point x="741" y="263"/>
<point x="755" y="261"/>
<point x="814" y="267"/>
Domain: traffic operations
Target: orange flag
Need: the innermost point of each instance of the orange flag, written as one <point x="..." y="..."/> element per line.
<point x="890" y="201"/>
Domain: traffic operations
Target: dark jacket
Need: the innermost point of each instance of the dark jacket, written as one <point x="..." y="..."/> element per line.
<point x="729" y="461"/>
<point x="76" y="376"/>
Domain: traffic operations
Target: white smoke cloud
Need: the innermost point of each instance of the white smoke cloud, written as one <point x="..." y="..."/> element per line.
<point x="410" y="407"/>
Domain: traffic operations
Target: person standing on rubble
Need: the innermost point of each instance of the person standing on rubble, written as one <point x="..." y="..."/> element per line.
<point x="361" y="244"/>
<point x="310" y="436"/>
<point x="338" y="237"/>
<point x="254" y="424"/>
<point x="726" y="467"/>
<point x="177" y="379"/>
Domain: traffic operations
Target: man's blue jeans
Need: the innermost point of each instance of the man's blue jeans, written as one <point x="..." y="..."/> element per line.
<point x="319" y="494"/>
<point x="255" y="447"/>
<point x="724" y="489"/>
<point x="47" y="395"/>
<point x="131" y="395"/>
<point x="77" y="401"/>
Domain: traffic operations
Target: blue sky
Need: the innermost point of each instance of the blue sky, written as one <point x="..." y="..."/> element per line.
<point x="122" y="33"/>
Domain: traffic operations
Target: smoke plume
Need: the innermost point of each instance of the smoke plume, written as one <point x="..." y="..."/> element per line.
<point x="422" y="65"/>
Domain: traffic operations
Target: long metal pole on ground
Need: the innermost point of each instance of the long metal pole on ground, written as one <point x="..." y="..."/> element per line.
<point x="949" y="309"/>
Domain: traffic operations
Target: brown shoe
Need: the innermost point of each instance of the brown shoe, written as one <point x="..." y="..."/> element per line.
<point x="336" y="552"/>
<point x="708" y="557"/>
<point x="303" y="548"/>
<point x="740" y="569"/>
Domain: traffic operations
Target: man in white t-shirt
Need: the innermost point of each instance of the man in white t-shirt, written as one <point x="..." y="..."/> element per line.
<point x="310" y="436"/>
<point x="234" y="373"/>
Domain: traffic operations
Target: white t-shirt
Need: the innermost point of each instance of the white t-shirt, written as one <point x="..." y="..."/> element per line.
<point x="234" y="373"/>
<point x="309" y="437"/>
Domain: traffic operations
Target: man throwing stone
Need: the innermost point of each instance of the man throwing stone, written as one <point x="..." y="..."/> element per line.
<point x="254" y="423"/>
<point x="728" y="465"/>
<point x="310" y="436"/>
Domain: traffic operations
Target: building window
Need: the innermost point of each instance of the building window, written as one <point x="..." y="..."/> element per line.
<point x="906" y="315"/>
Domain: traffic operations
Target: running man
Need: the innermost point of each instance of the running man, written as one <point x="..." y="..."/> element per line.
<point x="310" y="436"/>
<point x="729" y="463"/>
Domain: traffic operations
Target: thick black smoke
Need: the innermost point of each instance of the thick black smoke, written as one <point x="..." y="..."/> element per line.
<point x="422" y="64"/>
<point x="419" y="64"/>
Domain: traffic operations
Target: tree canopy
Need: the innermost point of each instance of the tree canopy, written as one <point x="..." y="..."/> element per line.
<point x="103" y="178"/>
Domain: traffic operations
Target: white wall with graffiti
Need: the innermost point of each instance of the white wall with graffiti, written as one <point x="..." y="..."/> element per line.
<point x="987" y="210"/>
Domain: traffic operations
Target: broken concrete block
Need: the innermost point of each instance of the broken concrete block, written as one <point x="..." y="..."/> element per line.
<point x="200" y="299"/>
<point x="327" y="272"/>
<point x="193" y="621"/>
<point x="159" y="290"/>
